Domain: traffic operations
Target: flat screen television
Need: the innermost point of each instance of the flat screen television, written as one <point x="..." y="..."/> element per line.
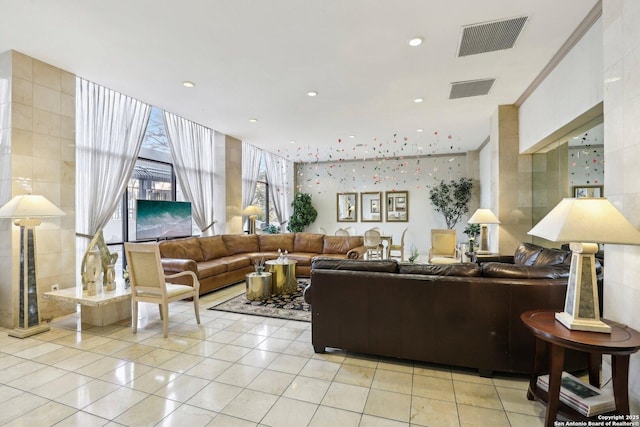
<point x="162" y="219"/>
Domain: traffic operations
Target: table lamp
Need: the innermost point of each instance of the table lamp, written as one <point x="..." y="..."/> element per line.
<point x="483" y="217"/>
<point x="591" y="220"/>
<point x="252" y="211"/>
<point x="28" y="209"/>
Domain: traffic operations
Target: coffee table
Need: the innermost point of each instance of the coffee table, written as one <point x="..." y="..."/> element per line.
<point x="258" y="286"/>
<point x="284" y="276"/>
<point x="104" y="308"/>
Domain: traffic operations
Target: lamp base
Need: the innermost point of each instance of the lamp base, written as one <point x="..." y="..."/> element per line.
<point x="24" y="333"/>
<point x="574" y="324"/>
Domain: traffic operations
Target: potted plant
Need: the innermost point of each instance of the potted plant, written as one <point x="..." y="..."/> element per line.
<point x="303" y="213"/>
<point x="414" y="254"/>
<point x="451" y="199"/>
<point x="472" y="230"/>
<point x="272" y="229"/>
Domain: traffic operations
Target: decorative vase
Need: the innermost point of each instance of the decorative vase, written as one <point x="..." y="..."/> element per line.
<point x="91" y="270"/>
<point x="110" y="275"/>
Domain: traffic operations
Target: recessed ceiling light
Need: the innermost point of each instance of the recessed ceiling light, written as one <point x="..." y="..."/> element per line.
<point x="420" y="130"/>
<point x="292" y="142"/>
<point x="352" y="136"/>
<point x="253" y="120"/>
<point x="187" y="83"/>
<point x="416" y="41"/>
<point x="418" y="100"/>
<point x="312" y="93"/>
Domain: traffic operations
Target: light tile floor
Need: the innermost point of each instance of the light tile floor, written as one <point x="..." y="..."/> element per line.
<point x="235" y="370"/>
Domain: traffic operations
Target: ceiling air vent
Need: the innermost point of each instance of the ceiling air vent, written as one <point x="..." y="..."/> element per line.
<point x="470" y="88"/>
<point x="491" y="36"/>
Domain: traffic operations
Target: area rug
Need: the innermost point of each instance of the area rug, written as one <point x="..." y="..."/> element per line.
<point x="290" y="307"/>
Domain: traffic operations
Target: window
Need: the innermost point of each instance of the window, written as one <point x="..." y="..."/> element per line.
<point x="262" y="200"/>
<point x="153" y="178"/>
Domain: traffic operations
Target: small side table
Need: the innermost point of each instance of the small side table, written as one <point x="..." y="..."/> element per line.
<point x="284" y="276"/>
<point x="620" y="344"/>
<point x="258" y="286"/>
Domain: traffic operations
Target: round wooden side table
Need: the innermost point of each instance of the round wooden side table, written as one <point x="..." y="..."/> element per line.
<point x="620" y="344"/>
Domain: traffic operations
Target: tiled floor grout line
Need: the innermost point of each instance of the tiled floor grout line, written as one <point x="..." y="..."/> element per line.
<point x="244" y="333"/>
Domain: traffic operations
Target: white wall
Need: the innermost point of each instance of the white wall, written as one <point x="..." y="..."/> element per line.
<point x="572" y="88"/>
<point x="415" y="175"/>
<point x="621" y="40"/>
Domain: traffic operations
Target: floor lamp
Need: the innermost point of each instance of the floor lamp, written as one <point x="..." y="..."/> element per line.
<point x="28" y="211"/>
<point x="592" y="220"/>
<point x="252" y="211"/>
<point x="483" y="217"/>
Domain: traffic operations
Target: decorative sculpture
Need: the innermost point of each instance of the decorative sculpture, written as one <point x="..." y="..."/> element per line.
<point x="107" y="259"/>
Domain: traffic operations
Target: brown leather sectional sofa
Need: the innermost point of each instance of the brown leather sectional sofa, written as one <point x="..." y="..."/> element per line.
<point x="464" y="315"/>
<point x="222" y="260"/>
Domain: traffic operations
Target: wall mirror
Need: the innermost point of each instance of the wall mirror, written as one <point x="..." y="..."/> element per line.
<point x="371" y="206"/>
<point x="397" y="206"/>
<point x="572" y="166"/>
<point x="347" y="207"/>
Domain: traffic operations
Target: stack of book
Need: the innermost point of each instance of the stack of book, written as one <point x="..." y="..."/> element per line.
<point x="582" y="397"/>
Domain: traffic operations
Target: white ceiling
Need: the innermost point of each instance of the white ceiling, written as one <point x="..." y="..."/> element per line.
<point x="258" y="59"/>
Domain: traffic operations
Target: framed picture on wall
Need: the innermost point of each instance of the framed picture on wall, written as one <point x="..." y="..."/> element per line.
<point x="397" y="206"/>
<point x="580" y="191"/>
<point x="347" y="207"/>
<point x="370" y="202"/>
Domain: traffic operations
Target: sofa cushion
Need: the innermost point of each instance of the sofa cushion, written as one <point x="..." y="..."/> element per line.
<point x="512" y="271"/>
<point x="301" y="258"/>
<point x="213" y="247"/>
<point x="236" y="262"/>
<point x="327" y="263"/>
<point x="211" y="268"/>
<point x="188" y="248"/>
<point x="467" y="269"/>
<point x="273" y="242"/>
<point x="551" y="256"/>
<point x="526" y="254"/>
<point x="340" y="244"/>
<point x="241" y="243"/>
<point x="308" y="242"/>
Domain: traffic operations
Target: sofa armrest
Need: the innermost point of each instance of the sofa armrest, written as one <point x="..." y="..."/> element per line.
<point x="176" y="265"/>
<point x="357" y="252"/>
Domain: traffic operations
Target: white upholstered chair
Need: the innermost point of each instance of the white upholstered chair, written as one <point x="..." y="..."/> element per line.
<point x="341" y="232"/>
<point x="149" y="283"/>
<point x="372" y="243"/>
<point x="443" y="247"/>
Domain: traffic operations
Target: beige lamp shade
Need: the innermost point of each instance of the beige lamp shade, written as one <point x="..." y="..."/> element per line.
<point x="483" y="216"/>
<point x="29" y="206"/>
<point x="252" y="210"/>
<point x="593" y="220"/>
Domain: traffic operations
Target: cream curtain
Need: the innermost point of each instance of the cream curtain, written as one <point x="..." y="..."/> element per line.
<point x="192" y="150"/>
<point x="109" y="131"/>
<point x="280" y="178"/>
<point x="250" y="170"/>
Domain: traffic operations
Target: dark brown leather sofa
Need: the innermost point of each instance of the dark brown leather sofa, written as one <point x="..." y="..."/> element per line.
<point x="447" y="314"/>
<point x="223" y="260"/>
